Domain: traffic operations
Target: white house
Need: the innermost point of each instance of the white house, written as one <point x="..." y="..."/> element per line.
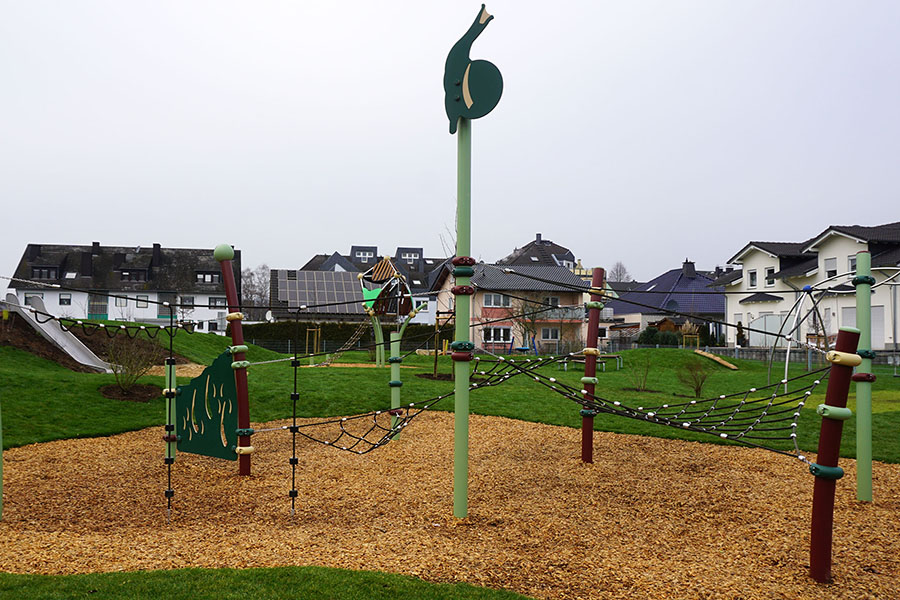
<point x="773" y="275"/>
<point x="126" y="283"/>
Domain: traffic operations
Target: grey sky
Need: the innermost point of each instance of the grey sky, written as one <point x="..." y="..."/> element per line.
<point x="644" y="132"/>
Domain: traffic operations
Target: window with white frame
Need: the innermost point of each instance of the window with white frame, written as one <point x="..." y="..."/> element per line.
<point x="364" y="255"/>
<point x="496" y="301"/>
<point x="830" y="267"/>
<point x="65" y="299"/>
<point x="121" y="301"/>
<point x="496" y="335"/>
<point x="851" y="263"/>
<point x="187" y="302"/>
<point x="550" y="333"/>
<point x="751" y="278"/>
<point x="44" y="272"/>
<point x="421" y="305"/>
<point x="142" y="301"/>
<point x="601" y="333"/>
<point x="770" y="276"/>
<point x="410" y="257"/>
<point x="217" y="302"/>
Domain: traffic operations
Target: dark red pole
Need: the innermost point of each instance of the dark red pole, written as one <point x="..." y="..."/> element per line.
<point x="825" y="469"/>
<point x="590" y="366"/>
<point x="224" y="254"/>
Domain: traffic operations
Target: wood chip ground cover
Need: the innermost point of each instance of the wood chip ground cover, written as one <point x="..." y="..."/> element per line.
<point x="651" y="518"/>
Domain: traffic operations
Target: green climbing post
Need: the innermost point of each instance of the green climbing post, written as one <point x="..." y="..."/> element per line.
<point x="379" y="342"/>
<point x="864" y="377"/>
<point x="395" y="376"/>
<point x="171" y="437"/>
<point x="463" y="305"/>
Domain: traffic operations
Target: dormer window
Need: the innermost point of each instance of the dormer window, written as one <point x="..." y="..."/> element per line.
<point x="138" y="275"/>
<point x="410" y="257"/>
<point x="44" y="273"/>
<point x="208" y="277"/>
<point x="363" y="256"/>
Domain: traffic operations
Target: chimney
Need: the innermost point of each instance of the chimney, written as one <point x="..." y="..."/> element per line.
<point x="688" y="270"/>
<point x="537" y="238"/>
<point x="157" y="255"/>
<point x="87" y="265"/>
<point x="34" y="250"/>
<point x="95" y="248"/>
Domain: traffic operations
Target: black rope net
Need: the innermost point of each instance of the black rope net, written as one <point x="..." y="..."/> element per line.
<point x="365" y="432"/>
<point x="764" y="417"/>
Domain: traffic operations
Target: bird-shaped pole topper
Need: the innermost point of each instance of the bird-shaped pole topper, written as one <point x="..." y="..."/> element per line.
<point x="472" y="88"/>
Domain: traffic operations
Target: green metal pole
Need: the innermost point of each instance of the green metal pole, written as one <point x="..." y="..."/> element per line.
<point x="170" y="407"/>
<point x="379" y="342"/>
<point x="863" y="377"/>
<point x="463" y="305"/>
<point x="395" y="382"/>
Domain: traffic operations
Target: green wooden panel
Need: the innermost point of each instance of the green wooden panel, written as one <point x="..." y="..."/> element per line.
<point x="206" y="412"/>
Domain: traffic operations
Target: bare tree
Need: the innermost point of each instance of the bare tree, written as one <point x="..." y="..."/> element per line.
<point x="618" y="272"/>
<point x="255" y="291"/>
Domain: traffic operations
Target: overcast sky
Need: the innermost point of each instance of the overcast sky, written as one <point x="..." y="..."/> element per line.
<point x="642" y="132"/>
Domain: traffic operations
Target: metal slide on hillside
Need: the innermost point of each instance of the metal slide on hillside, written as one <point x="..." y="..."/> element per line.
<point x="56" y="335"/>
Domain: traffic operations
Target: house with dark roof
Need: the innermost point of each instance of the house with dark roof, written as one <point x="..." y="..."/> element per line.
<point x="125" y="283"/>
<point x="540" y="252"/>
<point x="772" y="276"/>
<point x="418" y="270"/>
<point x="523" y="307"/>
<point x="676" y="295"/>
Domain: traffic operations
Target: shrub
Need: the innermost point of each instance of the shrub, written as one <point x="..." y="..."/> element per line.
<point x="668" y="338"/>
<point x="648" y="337"/>
<point x="130" y="359"/>
<point x="694" y="375"/>
<point x="639" y="372"/>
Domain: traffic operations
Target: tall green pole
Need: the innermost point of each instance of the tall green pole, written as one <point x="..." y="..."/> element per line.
<point x="864" y="377"/>
<point x="395" y="382"/>
<point x="463" y="307"/>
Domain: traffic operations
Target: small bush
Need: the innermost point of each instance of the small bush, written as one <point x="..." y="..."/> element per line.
<point x="694" y="375"/>
<point x="648" y="337"/>
<point x="668" y="338"/>
<point x="639" y="372"/>
<point x="130" y="359"/>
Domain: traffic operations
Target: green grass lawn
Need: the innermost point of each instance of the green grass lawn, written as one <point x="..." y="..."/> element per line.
<point x="233" y="584"/>
<point x="42" y="401"/>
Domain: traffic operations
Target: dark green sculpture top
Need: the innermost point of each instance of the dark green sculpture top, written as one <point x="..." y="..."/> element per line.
<point x="472" y="88"/>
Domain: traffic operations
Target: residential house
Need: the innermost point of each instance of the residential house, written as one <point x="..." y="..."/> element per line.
<point x="772" y="277"/>
<point x="540" y="252"/>
<point x="310" y="286"/>
<point x="513" y="311"/>
<point x="684" y="291"/>
<point x="126" y="283"/>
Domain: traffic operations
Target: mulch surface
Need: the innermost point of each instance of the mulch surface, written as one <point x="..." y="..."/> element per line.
<point x="651" y="518"/>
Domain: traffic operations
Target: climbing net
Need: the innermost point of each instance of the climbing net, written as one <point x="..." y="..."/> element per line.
<point x="365" y="432"/>
<point x="764" y="417"/>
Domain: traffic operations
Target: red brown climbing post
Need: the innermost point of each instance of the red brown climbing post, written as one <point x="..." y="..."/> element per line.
<point x="590" y="365"/>
<point x="224" y="254"/>
<point x="834" y="412"/>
